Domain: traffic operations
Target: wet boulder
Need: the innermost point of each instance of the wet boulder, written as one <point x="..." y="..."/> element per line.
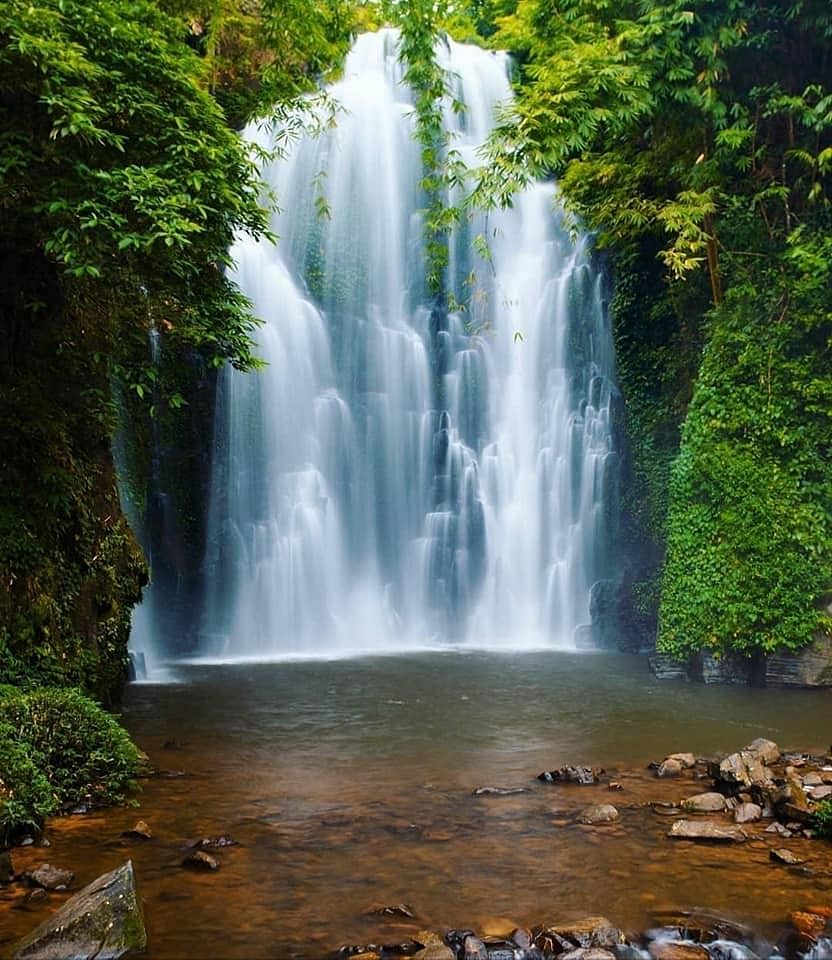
<point x="141" y="831"/>
<point x="688" y="760"/>
<point x="740" y="771"/>
<point x="103" y="921"/>
<point x="600" y="813"/>
<point x="403" y="910"/>
<point x="49" y="877"/>
<point x="585" y="933"/>
<point x="435" y="951"/>
<point x="582" y="776"/>
<point x="766" y="750"/>
<point x="784" y="855"/>
<point x="216" y="843"/>
<point x="707" y="831"/>
<point x="704" y="803"/>
<point x="747" y="813"/>
<point x="474" y="949"/>
<point x="498" y="791"/>
<point x="199" y="860"/>
<point x="670" y="768"/>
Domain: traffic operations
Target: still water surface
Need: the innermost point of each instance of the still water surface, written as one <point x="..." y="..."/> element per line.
<point x="349" y="783"/>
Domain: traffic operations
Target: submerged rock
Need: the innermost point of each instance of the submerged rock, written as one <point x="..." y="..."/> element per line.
<point x="435" y="951"/>
<point x="707" y="831"/>
<point x="498" y="791"/>
<point x="103" y="921"/>
<point x="784" y="855"/>
<point x="49" y="877"/>
<point x="600" y="813"/>
<point x="216" y="843"/>
<point x="141" y="831"/>
<point x="390" y="910"/>
<point x="672" y="950"/>
<point x="583" y="776"/>
<point x="199" y="860"/>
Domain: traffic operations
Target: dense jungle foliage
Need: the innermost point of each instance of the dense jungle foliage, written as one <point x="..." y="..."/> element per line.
<point x="694" y="138"/>
<point x="700" y="134"/>
<point x="122" y="183"/>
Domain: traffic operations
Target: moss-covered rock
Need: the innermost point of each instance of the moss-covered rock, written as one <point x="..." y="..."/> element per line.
<point x="104" y="921"/>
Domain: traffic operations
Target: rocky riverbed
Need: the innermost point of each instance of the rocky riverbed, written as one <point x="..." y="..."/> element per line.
<point x="745" y="816"/>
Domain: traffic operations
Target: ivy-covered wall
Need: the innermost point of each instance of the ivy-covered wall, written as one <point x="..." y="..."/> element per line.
<point x="70" y="567"/>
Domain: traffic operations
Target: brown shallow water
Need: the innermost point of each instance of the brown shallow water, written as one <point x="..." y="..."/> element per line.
<point x="349" y="783"/>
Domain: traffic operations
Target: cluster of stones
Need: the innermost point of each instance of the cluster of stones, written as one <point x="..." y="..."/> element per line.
<point x="754" y="785"/>
<point x="104" y="920"/>
<point x="692" y="935"/>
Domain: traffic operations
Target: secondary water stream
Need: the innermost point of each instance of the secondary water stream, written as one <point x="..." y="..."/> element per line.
<point x="348" y="783"/>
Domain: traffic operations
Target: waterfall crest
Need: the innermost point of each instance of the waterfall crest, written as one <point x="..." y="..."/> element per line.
<point x="403" y="476"/>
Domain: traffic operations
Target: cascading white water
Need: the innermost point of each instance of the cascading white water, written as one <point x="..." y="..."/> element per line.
<point x="402" y="475"/>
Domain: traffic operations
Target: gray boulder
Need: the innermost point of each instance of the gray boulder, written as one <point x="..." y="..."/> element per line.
<point x="740" y="771"/>
<point x="707" y="831"/>
<point x="766" y="750"/>
<point x="748" y="813"/>
<point x="600" y="813"/>
<point x="704" y="803"/>
<point x="104" y="921"/>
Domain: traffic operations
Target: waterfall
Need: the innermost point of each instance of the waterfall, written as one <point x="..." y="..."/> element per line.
<point x="402" y="475"/>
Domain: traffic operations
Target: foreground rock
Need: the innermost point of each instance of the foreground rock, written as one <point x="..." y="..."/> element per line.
<point x="104" y="921"/>
<point x="707" y="831"/>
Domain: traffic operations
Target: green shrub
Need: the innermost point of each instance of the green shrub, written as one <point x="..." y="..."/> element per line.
<point x="58" y="747"/>
<point x="25" y="794"/>
<point x="822" y="820"/>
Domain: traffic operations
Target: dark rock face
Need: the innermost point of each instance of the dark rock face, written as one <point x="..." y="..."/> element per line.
<point x="104" y="921"/>
<point x="666" y="668"/>
<point x="811" y="667"/>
